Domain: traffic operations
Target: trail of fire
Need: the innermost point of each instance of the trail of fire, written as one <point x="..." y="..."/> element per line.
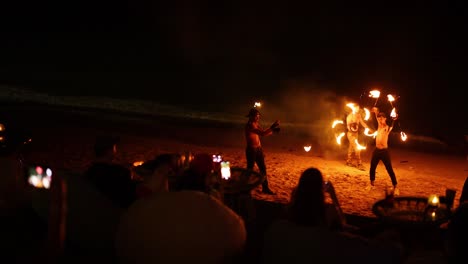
<point x="403" y="136"/>
<point x="367" y="116"/>
<point x="359" y="145"/>
<point x="391" y="99"/>
<point x="393" y="114"/>
<point x="366" y="132"/>
<point x="338" y="138"/>
<point x="375" y="94"/>
<point x="336" y="122"/>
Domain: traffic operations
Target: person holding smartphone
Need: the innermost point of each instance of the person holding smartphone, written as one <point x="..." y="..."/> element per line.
<point x="254" y="151"/>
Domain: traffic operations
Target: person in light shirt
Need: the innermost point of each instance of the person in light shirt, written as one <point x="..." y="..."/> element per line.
<point x="381" y="152"/>
<point x="353" y="120"/>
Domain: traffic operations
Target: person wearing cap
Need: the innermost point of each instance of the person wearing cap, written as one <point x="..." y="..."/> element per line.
<point x="381" y="152"/>
<point x="201" y="175"/>
<point x="254" y="152"/>
<point x="353" y="120"/>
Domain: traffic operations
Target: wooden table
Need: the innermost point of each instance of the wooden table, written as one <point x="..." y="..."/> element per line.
<point x="411" y="210"/>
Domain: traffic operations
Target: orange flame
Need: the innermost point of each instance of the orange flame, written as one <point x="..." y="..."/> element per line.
<point x="393" y="114"/>
<point x="307" y="148"/>
<point x="257" y="104"/>
<point x="403" y="136"/>
<point x="338" y="138"/>
<point x="336" y="122"/>
<point x="390" y="98"/>
<point x="352" y="106"/>
<point x="374" y="94"/>
<point x="137" y="163"/>
<point x="359" y="145"/>
<point x="366" y="132"/>
<point x="367" y="116"/>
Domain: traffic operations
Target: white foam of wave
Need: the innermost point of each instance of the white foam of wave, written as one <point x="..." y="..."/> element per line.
<point x="133" y="106"/>
<point x="129" y="106"/>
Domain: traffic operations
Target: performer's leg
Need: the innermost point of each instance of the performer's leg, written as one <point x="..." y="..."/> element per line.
<point x="359" y="161"/>
<point x="388" y="166"/>
<point x="250" y="155"/>
<point x="260" y="160"/>
<point x="351" y="148"/>
<point x="373" y="165"/>
<point x="358" y="154"/>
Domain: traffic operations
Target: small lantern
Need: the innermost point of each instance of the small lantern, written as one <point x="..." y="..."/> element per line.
<point x="433" y="200"/>
<point x="137" y="163"/>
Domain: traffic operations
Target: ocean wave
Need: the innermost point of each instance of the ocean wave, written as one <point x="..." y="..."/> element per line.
<point x="151" y="108"/>
<point x="129" y="105"/>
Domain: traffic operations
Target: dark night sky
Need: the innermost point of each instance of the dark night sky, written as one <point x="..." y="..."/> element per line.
<point x="245" y="49"/>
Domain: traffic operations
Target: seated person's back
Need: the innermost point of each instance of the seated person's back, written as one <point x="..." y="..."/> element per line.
<point x="307" y="235"/>
<point x="179" y="227"/>
<point x="114" y="181"/>
<point x="111" y="179"/>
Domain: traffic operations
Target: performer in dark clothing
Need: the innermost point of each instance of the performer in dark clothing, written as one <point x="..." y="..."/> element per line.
<point x="254" y="151"/>
<point x="381" y="152"/>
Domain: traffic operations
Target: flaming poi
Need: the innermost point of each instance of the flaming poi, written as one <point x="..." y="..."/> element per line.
<point x="372" y="94"/>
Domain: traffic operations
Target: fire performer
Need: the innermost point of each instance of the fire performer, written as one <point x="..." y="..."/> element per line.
<point x="352" y="122"/>
<point x="254" y="151"/>
<point x="381" y="152"/>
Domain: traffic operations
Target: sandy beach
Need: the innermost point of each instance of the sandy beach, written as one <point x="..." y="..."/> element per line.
<point x="63" y="138"/>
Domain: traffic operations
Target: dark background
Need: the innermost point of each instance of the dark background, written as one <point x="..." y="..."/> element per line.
<point x="218" y="54"/>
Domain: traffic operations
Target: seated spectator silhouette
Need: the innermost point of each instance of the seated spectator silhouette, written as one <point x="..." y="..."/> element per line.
<point x="81" y="220"/>
<point x="111" y="179"/>
<point x="457" y="235"/>
<point x="307" y="233"/>
<point x="155" y="174"/>
<point x="463" y="199"/>
<point x="180" y="227"/>
<point x="13" y="144"/>
<point x="464" y="194"/>
<point x="456" y="229"/>
<point x="10" y="184"/>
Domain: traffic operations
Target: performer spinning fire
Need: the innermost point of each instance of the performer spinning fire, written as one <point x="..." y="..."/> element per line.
<point x="380" y="152"/>
<point x="354" y="153"/>
<point x="253" y="151"/>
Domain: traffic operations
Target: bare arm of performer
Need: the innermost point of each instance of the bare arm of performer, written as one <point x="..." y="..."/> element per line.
<point x="256" y="129"/>
<point x="375" y="110"/>
<point x="362" y="122"/>
<point x="391" y="125"/>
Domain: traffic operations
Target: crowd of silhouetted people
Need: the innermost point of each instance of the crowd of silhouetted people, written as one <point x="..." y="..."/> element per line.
<point x="171" y="209"/>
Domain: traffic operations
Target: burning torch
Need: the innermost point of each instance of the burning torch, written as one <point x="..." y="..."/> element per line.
<point x="375" y="94"/>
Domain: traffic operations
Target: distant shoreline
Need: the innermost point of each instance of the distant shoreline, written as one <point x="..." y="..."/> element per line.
<point x="132" y="112"/>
